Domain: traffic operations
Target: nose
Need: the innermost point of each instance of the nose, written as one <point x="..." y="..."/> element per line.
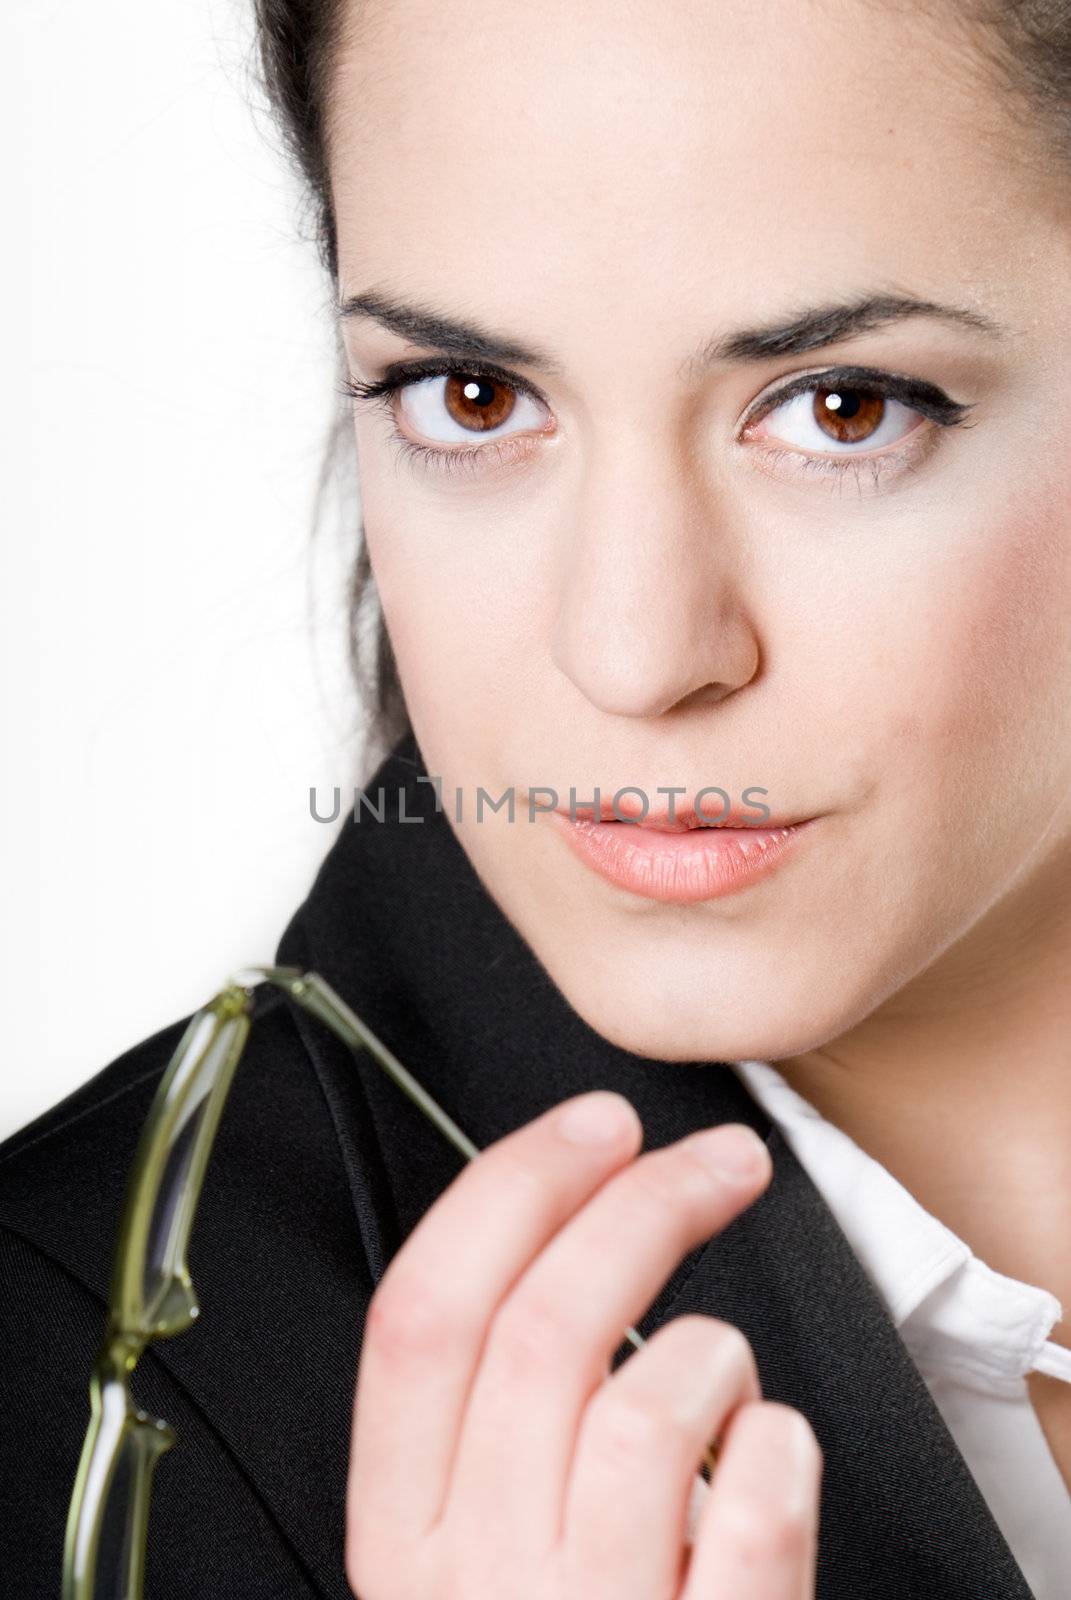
<point x="651" y="613"/>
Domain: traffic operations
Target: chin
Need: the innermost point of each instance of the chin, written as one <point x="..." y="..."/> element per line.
<point x="662" y="1021"/>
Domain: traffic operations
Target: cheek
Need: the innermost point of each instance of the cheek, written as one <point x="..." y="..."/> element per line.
<point x="982" y="715"/>
<point x="461" y="609"/>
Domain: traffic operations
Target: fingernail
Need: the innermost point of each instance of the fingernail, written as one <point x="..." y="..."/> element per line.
<point x="731" y="1150"/>
<point x="596" y="1118"/>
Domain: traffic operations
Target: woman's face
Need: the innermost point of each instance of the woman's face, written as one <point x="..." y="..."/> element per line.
<point x="619" y="565"/>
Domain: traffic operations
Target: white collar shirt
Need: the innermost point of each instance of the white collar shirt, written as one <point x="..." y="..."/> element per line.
<point x="973" y="1333"/>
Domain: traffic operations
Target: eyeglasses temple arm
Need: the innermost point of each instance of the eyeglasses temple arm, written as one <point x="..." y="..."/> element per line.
<point x="318" y="998"/>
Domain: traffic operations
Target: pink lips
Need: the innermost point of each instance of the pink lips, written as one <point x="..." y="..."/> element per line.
<point x="683" y="861"/>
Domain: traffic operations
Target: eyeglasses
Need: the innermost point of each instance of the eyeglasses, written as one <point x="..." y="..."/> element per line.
<point x="152" y="1295"/>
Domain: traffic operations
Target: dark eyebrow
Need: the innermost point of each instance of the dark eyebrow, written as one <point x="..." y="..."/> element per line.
<point x="439" y="332"/>
<point x="807" y="330"/>
<point x="828" y="324"/>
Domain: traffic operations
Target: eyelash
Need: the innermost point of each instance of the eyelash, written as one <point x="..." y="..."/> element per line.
<point x="871" y="382"/>
<point x="467" y="457"/>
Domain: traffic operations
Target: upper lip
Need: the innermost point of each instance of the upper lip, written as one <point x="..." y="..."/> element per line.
<point x="684" y="816"/>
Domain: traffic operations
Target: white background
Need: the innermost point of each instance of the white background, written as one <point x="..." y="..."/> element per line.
<point x="173" y="633"/>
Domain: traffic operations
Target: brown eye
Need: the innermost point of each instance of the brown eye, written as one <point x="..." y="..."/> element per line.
<point x="832" y="419"/>
<point x="477" y="403"/>
<point x="456" y="406"/>
<point x="848" y="415"/>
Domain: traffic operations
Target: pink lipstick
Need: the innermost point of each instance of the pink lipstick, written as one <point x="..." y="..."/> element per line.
<point x="682" y="861"/>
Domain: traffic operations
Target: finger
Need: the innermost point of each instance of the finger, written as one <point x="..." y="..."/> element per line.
<point x="428" y="1318"/>
<point x="642" y="1438"/>
<point x="550" y="1342"/>
<point x="758" y="1534"/>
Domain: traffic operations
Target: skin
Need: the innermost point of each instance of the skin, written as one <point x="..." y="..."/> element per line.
<point x="660" y="601"/>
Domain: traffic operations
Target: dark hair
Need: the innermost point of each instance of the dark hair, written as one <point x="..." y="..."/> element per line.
<point x="1028" y="41"/>
<point x="1032" y="47"/>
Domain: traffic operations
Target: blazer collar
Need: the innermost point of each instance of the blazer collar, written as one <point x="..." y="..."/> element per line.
<point x="398" y="921"/>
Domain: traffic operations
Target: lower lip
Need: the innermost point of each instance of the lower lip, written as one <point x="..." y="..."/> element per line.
<point x="700" y="864"/>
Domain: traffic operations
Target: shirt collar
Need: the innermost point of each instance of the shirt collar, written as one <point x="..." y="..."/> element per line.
<point x="957" y="1316"/>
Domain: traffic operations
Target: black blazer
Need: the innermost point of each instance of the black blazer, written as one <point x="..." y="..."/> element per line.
<point x="323" y="1166"/>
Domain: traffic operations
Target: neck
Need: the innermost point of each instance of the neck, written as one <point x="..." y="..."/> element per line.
<point x="961" y="1086"/>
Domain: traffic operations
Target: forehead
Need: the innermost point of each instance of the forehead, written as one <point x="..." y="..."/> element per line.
<point x="690" y="149"/>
